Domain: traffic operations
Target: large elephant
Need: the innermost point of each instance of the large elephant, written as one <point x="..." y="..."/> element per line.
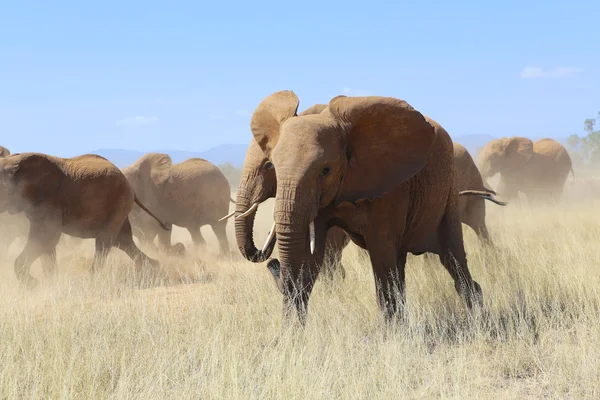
<point x="190" y="194"/>
<point x="85" y="196"/>
<point x="468" y="179"/>
<point x="538" y="170"/>
<point x="259" y="183"/>
<point x="373" y="166"/>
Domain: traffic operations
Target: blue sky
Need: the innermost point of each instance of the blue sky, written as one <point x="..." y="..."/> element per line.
<point x="78" y="76"/>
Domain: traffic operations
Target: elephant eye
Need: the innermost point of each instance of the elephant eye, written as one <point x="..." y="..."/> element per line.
<point x="269" y="165"/>
<point x="325" y="171"/>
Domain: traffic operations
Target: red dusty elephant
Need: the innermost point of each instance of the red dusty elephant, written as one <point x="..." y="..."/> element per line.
<point x="85" y="196"/>
<point x="538" y="170"/>
<point x="189" y="194"/>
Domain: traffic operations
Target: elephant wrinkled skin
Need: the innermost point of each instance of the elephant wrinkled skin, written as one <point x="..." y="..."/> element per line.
<point x="373" y="166"/>
<point x="190" y="194"/>
<point x="85" y="196"/>
<point x="538" y="170"/>
<point x="259" y="183"/>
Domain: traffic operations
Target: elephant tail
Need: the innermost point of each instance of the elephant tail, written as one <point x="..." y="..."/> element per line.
<point x="572" y="173"/>
<point x="143" y="207"/>
<point x="484" y="194"/>
<point x="232" y="201"/>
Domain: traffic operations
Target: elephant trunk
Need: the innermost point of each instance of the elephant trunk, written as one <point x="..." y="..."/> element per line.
<point x="244" y="229"/>
<point x="293" y="222"/>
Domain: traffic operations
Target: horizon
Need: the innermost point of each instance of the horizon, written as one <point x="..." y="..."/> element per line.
<point x="146" y="76"/>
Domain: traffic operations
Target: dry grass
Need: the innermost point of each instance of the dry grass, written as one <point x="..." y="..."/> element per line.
<point x="220" y="334"/>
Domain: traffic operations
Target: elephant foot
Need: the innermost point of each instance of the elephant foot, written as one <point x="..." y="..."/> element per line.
<point x="178" y="249"/>
<point x="30" y="283"/>
<point x="150" y="273"/>
<point x="474" y="296"/>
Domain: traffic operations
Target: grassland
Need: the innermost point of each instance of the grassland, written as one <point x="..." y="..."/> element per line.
<point x="213" y="330"/>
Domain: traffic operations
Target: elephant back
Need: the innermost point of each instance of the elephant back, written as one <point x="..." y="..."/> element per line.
<point x="554" y="156"/>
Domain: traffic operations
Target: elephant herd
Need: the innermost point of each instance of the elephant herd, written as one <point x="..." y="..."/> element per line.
<point x="371" y="170"/>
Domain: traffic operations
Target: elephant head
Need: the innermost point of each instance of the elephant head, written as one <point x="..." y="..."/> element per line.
<point x="4" y="152"/>
<point x="506" y="156"/>
<point x="358" y="149"/>
<point x="149" y="172"/>
<point x="26" y="177"/>
<point x="258" y="183"/>
<point x="147" y="176"/>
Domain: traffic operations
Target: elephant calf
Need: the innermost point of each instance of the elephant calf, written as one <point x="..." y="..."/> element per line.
<point x="190" y="194"/>
<point x="85" y="196"/>
<point x="468" y="179"/>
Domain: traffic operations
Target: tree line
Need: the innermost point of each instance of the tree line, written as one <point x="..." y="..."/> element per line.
<point x="586" y="149"/>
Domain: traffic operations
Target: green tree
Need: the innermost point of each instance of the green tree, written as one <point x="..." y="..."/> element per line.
<point x="573" y="142"/>
<point x="588" y="125"/>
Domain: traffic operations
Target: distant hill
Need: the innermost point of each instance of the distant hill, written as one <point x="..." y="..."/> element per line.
<point x="235" y="153"/>
<point x="227" y="153"/>
<point x="473" y="142"/>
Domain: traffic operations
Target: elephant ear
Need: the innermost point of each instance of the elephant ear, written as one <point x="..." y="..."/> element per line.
<point x="388" y="142"/>
<point x="269" y="115"/>
<point x="314" y="109"/>
<point x="518" y="151"/>
<point x="39" y="177"/>
<point x="4" y="152"/>
<point x="159" y="167"/>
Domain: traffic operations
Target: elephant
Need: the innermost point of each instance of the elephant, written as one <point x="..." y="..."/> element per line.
<point x="190" y="194"/>
<point x="472" y="208"/>
<point x="259" y="183"/>
<point x="13" y="226"/>
<point x="85" y="196"/>
<point x="373" y="166"/>
<point x="538" y="170"/>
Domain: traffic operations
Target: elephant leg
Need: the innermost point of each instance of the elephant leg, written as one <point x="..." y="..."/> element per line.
<point x="197" y="238"/>
<point x="481" y="231"/>
<point x="297" y="289"/>
<point x="388" y="269"/>
<point x="454" y="259"/>
<point x="124" y="242"/>
<point x="219" y="228"/>
<point x="483" y="235"/>
<point x="102" y="247"/>
<point x="333" y="262"/>
<point x="164" y="239"/>
<point x="147" y="241"/>
<point x="41" y="242"/>
<point x="49" y="263"/>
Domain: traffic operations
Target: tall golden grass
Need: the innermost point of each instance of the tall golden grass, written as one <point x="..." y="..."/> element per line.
<point x="214" y="329"/>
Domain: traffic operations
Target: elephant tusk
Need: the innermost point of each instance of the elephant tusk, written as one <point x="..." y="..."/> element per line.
<point x="311" y="232"/>
<point x="231" y="214"/>
<point x="248" y="212"/>
<point x="269" y="238"/>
